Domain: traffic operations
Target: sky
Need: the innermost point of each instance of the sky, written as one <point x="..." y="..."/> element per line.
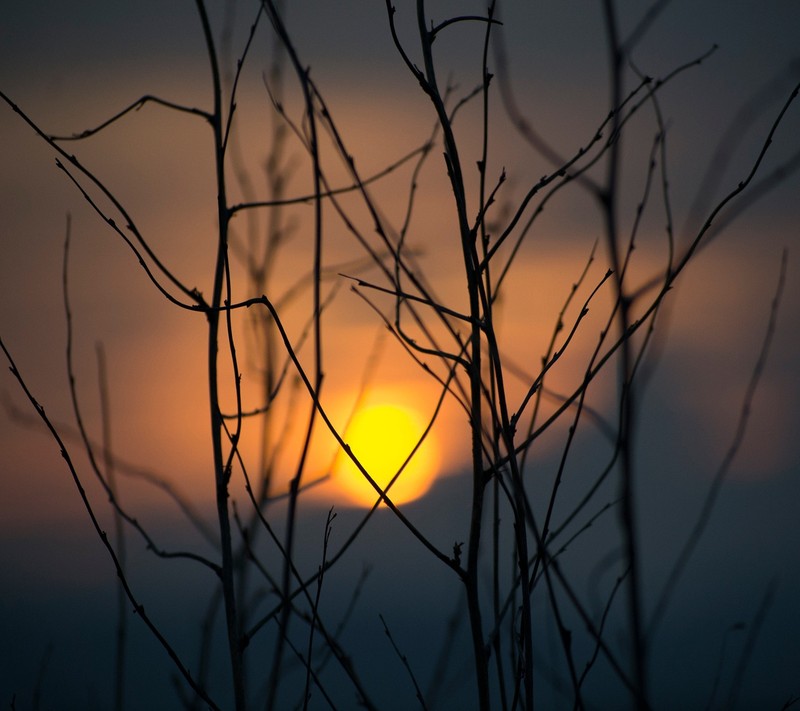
<point x="70" y="68"/>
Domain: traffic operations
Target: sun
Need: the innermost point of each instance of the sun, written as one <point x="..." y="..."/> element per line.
<point x="382" y="437"/>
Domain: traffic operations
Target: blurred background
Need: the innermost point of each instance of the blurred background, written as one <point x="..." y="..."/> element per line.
<point x="70" y="68"/>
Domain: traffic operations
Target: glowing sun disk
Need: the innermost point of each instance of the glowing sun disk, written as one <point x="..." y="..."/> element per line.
<point x="382" y="437"/>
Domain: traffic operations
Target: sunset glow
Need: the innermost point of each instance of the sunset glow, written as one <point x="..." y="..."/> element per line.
<point x="382" y="437"/>
<point x="399" y="355"/>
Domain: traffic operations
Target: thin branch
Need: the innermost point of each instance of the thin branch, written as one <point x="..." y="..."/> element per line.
<point x="138" y="608"/>
<point x="404" y="661"/>
<point x="704" y="517"/>
<point x="135" y="106"/>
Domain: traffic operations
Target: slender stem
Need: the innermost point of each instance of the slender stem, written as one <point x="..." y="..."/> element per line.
<point x="221" y="472"/>
<point x="608" y="197"/>
<point x="119" y="532"/>
<point x="474" y="370"/>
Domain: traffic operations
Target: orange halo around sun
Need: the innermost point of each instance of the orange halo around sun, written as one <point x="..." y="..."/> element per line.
<point x="381" y="437"/>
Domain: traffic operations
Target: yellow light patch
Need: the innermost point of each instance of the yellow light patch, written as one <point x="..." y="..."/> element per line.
<point x="382" y="437"/>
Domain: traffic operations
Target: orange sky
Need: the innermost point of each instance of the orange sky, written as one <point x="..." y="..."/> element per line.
<point x="165" y="182"/>
<point x="160" y="165"/>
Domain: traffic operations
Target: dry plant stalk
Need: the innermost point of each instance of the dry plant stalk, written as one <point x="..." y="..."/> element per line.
<point x="519" y="535"/>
